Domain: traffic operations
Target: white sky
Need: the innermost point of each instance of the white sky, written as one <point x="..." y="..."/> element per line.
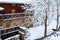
<point x="14" y="1"/>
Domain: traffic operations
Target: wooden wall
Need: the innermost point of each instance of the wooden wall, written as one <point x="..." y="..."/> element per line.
<point x="22" y="22"/>
<point x="9" y="7"/>
<point x="10" y="23"/>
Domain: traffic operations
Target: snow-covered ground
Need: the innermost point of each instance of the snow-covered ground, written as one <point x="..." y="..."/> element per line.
<point x="35" y="32"/>
<point x="38" y="30"/>
<point x="55" y="36"/>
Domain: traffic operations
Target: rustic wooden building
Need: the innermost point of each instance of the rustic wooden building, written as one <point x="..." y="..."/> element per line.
<point x="12" y="15"/>
<point x="15" y="14"/>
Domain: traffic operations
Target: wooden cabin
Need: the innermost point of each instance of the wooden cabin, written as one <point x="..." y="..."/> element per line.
<point x="15" y="14"/>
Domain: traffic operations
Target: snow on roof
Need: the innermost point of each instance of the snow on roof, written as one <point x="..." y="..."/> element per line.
<point x="14" y="1"/>
<point x="1" y="8"/>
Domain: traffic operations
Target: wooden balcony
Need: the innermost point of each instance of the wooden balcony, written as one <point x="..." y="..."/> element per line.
<point x="10" y="32"/>
<point x="14" y="16"/>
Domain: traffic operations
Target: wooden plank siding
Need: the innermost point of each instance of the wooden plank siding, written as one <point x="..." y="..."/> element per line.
<point x="8" y="7"/>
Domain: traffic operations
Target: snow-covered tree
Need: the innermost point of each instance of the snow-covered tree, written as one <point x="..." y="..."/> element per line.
<point x="45" y="15"/>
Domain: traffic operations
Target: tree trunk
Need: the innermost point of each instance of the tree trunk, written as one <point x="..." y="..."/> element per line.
<point x="57" y="18"/>
<point x="45" y="31"/>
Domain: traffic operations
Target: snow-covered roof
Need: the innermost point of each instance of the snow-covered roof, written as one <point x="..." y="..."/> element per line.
<point x="14" y="1"/>
<point x="1" y="8"/>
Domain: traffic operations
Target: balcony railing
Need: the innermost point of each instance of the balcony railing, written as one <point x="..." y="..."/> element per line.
<point x="11" y="16"/>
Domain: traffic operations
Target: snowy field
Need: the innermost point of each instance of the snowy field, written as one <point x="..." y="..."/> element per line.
<point x="55" y="36"/>
<point x="38" y="32"/>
